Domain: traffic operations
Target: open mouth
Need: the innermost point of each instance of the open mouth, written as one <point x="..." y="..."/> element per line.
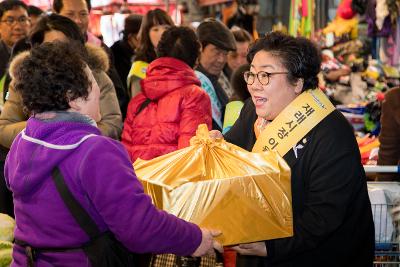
<point x="260" y="100"/>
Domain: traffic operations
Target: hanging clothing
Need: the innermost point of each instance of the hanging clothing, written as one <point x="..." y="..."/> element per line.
<point x="370" y="17"/>
<point x="396" y="56"/>
<point x="381" y="12"/>
<point x="301" y="18"/>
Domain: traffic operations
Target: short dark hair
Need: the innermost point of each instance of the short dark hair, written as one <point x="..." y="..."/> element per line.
<point x="49" y="77"/>
<point x="7" y="5"/>
<point x="238" y="83"/>
<point x="34" y="11"/>
<point x="180" y="43"/>
<point x="299" y="56"/>
<point x="132" y="25"/>
<point x="59" y="4"/>
<point x="145" y="50"/>
<point x="54" y="22"/>
<point x="241" y="35"/>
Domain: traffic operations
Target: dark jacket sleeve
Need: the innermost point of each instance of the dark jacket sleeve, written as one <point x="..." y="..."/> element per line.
<point x="20" y="46"/>
<point x="120" y="89"/>
<point x="242" y="132"/>
<point x="389" y="137"/>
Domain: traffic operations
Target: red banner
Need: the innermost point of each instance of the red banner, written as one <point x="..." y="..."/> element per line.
<point x="46" y="4"/>
<point x="212" y="2"/>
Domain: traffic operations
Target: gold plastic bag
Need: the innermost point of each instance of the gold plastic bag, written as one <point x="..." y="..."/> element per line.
<point x="221" y="186"/>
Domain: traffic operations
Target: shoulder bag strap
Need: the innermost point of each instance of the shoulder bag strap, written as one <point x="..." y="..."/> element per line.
<point x="80" y="214"/>
<point x="143" y="105"/>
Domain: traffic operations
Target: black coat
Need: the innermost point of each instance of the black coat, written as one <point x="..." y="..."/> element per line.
<point x="4" y="58"/>
<point x="332" y="216"/>
<point x="20" y="46"/>
<point x="120" y="88"/>
<point x="123" y="55"/>
<point x="6" y="204"/>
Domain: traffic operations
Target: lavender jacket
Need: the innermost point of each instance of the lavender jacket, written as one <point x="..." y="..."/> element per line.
<point x="100" y="175"/>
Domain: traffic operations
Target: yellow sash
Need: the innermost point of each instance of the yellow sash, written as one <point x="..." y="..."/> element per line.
<point x="294" y="122"/>
<point x="138" y="69"/>
<point x="2" y="82"/>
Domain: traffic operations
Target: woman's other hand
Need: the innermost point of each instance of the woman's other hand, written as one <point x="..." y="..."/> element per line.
<point x="253" y="249"/>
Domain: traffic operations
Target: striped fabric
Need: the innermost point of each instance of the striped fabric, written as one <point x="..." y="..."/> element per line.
<point x="170" y="260"/>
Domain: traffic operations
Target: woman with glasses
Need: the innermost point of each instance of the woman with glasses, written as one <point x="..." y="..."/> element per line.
<point x="331" y="208"/>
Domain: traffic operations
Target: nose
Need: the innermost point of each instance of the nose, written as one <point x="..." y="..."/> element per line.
<point x="221" y="58"/>
<point x="17" y="26"/>
<point x="242" y="60"/>
<point x="256" y="86"/>
<point x="77" y="20"/>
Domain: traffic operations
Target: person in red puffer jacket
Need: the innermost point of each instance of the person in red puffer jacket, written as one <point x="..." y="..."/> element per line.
<point x="165" y="115"/>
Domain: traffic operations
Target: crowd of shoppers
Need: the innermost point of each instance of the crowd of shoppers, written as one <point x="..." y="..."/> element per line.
<point x="65" y="102"/>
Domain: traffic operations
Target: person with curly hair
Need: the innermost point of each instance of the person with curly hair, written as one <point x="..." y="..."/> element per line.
<point x="165" y="115"/>
<point x="330" y="203"/>
<point x="61" y="135"/>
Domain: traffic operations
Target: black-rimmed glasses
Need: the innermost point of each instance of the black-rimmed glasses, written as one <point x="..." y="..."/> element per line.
<point x="262" y="76"/>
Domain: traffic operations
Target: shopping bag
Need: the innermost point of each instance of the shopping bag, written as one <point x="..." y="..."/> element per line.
<point x="221" y="186"/>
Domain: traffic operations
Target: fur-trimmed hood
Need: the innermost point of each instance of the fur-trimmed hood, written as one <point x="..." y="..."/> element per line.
<point x="97" y="58"/>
